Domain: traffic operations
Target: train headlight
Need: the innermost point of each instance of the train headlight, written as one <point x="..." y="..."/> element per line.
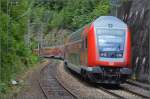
<point x="105" y="54"/>
<point x="125" y="71"/>
<point x="119" y="55"/>
<point x="89" y="68"/>
<point x="102" y="54"/>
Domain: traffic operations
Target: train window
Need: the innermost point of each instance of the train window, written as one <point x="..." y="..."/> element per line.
<point x="84" y="42"/>
<point x="86" y="45"/>
<point x="74" y="58"/>
<point x="76" y="35"/>
<point x="111" y="42"/>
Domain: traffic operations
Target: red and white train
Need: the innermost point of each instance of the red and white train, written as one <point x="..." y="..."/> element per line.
<point x="100" y="51"/>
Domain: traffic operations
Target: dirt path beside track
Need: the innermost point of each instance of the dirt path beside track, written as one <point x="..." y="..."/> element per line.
<point x="31" y="89"/>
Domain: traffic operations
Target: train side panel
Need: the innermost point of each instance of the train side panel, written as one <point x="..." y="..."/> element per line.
<point x="74" y="52"/>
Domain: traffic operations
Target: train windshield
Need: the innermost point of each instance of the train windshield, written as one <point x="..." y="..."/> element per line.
<point x="110" y="42"/>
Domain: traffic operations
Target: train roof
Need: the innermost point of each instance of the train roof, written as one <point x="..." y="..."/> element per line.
<point x="106" y="21"/>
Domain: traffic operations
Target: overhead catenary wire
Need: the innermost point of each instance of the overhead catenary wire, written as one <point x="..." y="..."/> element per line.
<point x="9" y="39"/>
<point x="0" y="46"/>
<point x="7" y="33"/>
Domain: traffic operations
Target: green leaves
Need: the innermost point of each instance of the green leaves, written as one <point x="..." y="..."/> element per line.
<point x="77" y="13"/>
<point x="101" y="9"/>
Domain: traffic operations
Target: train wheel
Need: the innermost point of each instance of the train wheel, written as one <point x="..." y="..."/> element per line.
<point x="65" y="63"/>
<point x="84" y="75"/>
<point x="116" y="85"/>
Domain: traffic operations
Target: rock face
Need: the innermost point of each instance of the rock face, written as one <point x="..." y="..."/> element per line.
<point x="136" y="13"/>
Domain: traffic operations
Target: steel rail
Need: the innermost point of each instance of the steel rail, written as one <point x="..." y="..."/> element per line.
<point x="135" y="93"/>
<point x="67" y="89"/>
<point x="138" y="84"/>
<point x="111" y="93"/>
<point x="40" y="82"/>
<point x="58" y="81"/>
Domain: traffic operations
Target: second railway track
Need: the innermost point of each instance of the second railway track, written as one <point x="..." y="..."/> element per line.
<point x="123" y="93"/>
<point x="51" y="86"/>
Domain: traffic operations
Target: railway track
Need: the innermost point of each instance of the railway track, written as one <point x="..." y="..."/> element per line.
<point x="51" y="86"/>
<point x="123" y="93"/>
<point x="119" y="94"/>
<point x="140" y="91"/>
<point x="138" y="84"/>
<point x="111" y="92"/>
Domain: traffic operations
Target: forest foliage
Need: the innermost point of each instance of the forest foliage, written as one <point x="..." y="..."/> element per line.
<point x="74" y="14"/>
<point x="15" y="56"/>
<point x="67" y="14"/>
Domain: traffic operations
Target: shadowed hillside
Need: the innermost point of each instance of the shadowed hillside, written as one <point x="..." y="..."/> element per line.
<point x="137" y="15"/>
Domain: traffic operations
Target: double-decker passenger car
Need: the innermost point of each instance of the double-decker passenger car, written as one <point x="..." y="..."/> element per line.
<point x="100" y="51"/>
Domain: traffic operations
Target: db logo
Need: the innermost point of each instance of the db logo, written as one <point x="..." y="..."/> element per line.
<point x="111" y="63"/>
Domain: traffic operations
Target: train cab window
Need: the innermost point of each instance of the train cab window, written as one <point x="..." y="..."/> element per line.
<point x="111" y="42"/>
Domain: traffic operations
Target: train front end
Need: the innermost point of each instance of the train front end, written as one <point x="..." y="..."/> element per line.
<point x="109" y="51"/>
